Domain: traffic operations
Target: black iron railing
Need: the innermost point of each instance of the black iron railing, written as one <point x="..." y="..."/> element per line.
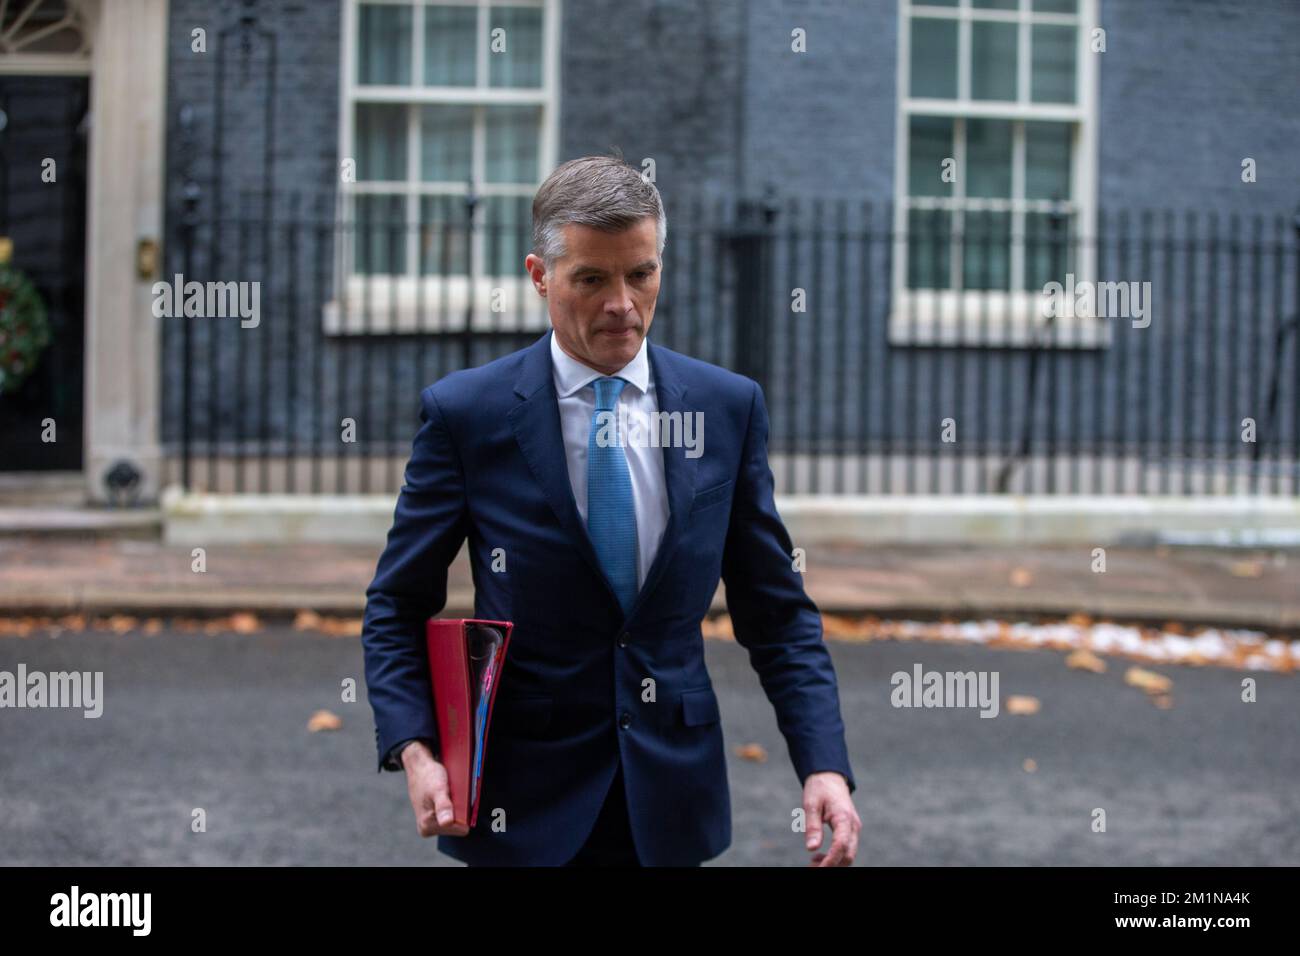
<point x="898" y="353"/>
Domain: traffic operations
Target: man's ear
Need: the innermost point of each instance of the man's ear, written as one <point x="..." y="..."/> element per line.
<point x="536" y="272"/>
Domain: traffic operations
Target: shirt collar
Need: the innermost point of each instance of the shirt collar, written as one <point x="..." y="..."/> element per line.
<point x="571" y="375"/>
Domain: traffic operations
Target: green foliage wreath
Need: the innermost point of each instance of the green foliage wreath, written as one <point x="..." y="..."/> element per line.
<point x="24" y="328"/>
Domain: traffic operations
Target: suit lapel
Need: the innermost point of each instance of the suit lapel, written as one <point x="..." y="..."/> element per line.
<point x="536" y="424"/>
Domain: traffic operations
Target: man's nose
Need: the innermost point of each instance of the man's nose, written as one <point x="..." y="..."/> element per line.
<point x="620" y="300"/>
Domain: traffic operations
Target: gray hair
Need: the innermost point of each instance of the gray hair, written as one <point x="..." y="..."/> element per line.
<point x="602" y="192"/>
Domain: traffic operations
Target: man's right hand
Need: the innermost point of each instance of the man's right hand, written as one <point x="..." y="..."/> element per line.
<point x="426" y="782"/>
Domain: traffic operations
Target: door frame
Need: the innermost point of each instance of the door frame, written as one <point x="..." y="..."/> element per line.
<point x="126" y="62"/>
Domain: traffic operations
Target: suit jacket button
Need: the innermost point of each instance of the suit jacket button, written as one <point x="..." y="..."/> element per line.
<point x="623" y="639"/>
<point x="625" y="720"/>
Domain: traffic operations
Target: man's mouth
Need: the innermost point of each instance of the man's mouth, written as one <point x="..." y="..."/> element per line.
<point x="620" y="332"/>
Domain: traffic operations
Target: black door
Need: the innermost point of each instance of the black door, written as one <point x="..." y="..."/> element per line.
<point x="46" y="117"/>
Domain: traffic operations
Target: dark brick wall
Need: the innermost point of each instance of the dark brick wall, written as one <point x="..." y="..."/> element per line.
<point x="713" y="93"/>
<point x="1191" y="87"/>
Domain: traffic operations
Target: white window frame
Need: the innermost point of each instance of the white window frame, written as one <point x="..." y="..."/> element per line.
<point x="1014" y="317"/>
<point x="411" y="302"/>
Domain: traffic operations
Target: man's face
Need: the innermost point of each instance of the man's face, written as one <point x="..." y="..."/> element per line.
<point x="601" y="294"/>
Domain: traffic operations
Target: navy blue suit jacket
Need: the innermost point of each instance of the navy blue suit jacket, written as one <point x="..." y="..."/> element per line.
<point x="583" y="686"/>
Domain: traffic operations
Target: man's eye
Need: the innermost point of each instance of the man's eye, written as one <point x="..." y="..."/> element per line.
<point x="588" y="280"/>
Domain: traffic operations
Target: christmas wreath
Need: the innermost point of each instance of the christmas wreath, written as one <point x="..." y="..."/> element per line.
<point x="24" y="328"/>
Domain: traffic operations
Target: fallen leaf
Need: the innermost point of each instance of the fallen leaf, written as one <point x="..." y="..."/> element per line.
<point x="306" y="621"/>
<point x="1149" y="681"/>
<point x="754" y="752"/>
<point x="1163" y="701"/>
<point x="1085" y="660"/>
<point x="244" y="623"/>
<point x="323" y="720"/>
<point x="1021" y="577"/>
<point x="1030" y="765"/>
<point x="1022" y="704"/>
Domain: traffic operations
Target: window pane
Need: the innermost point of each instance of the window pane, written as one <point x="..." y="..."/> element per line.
<point x="993" y="61"/>
<point x="444" y="238"/>
<point x="929" y="144"/>
<point x="384" y="44"/>
<point x="988" y="159"/>
<point x="1049" y="249"/>
<point x="929" y="234"/>
<point x="986" y="250"/>
<point x="1053" y="64"/>
<point x="1047" y="160"/>
<point x="995" y="4"/>
<point x="515" y="56"/>
<point x="938" y="3"/>
<point x="380" y="142"/>
<point x="380" y="234"/>
<point x="1056" y="6"/>
<point x="446" y="143"/>
<point x="449" y="45"/>
<point x="512" y="144"/>
<point x="934" y="58"/>
<point x="506" y="241"/>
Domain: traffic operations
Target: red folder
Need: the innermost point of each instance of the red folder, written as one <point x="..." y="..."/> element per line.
<point x="465" y="660"/>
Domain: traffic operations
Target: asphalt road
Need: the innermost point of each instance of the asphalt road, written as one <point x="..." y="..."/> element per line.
<point x="219" y="723"/>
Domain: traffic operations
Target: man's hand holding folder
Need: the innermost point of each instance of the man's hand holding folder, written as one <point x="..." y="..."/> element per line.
<point x="465" y="660"/>
<point x="426" y="783"/>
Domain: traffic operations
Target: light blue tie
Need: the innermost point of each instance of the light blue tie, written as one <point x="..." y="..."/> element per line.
<point x="611" y="514"/>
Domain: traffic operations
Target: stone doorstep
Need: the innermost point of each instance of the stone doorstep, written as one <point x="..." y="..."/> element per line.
<point x="1095" y="520"/>
<point x="45" y="521"/>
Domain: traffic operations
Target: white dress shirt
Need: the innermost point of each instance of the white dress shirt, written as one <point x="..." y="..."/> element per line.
<point x="577" y="400"/>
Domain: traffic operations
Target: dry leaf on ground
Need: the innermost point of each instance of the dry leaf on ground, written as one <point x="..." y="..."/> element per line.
<point x="323" y="720"/>
<point x="1085" y="660"/>
<point x="1149" y="681"/>
<point x="1022" y="704"/>
<point x="244" y="622"/>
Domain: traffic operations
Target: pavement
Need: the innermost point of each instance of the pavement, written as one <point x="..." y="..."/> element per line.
<point x="52" y="575"/>
<point x="212" y="672"/>
<point x="219" y="723"/>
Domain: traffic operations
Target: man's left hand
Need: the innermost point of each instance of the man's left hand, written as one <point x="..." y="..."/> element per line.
<point x="826" y="800"/>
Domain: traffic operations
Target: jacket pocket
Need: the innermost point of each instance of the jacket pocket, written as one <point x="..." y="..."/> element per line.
<point x="699" y="707"/>
<point x="711" y="496"/>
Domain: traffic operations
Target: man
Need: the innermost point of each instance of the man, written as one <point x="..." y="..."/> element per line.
<point x="606" y="745"/>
